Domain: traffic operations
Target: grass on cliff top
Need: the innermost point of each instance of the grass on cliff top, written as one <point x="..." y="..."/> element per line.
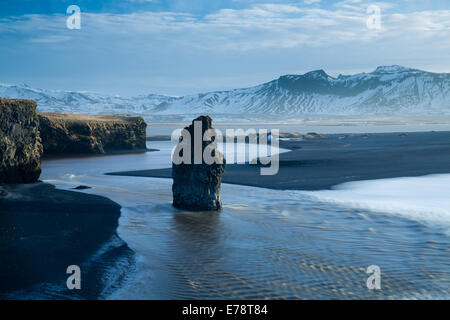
<point x="17" y="102"/>
<point x="80" y="117"/>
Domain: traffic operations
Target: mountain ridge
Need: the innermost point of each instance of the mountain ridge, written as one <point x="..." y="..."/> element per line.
<point x="388" y="90"/>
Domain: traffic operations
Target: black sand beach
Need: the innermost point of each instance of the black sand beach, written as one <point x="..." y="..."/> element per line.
<point x="323" y="161"/>
<point x="265" y="243"/>
<point x="43" y="230"/>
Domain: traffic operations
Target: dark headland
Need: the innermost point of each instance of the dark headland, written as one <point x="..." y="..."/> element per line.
<point x="71" y="135"/>
<point x="319" y="162"/>
<point x="44" y="230"/>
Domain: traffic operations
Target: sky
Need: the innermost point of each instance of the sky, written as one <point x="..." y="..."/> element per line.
<point x="176" y="47"/>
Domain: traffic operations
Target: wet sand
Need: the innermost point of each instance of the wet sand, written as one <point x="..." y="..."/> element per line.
<point x="43" y="230"/>
<point x="264" y="244"/>
<point x="321" y="162"/>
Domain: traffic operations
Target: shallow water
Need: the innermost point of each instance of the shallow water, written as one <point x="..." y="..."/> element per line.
<point x="264" y="244"/>
<point x="325" y="127"/>
<point x="424" y="199"/>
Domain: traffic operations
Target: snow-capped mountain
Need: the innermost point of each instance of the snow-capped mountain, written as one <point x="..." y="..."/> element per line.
<point x="389" y="90"/>
<point x="83" y="102"/>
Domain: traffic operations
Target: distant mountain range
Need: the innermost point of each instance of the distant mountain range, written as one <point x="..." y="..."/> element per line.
<point x="389" y="90"/>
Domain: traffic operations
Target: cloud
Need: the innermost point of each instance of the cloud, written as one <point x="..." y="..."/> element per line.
<point x="51" y="39"/>
<point x="311" y="1"/>
<point x="257" y="27"/>
<point x="227" y="48"/>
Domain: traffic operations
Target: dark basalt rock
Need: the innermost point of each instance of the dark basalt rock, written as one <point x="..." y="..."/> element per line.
<point x="43" y="230"/>
<point x="196" y="187"/>
<point x="66" y="134"/>
<point x="82" y="187"/>
<point x="20" y="144"/>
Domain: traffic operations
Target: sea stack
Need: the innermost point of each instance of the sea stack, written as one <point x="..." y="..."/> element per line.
<point x="196" y="182"/>
<point x="20" y="143"/>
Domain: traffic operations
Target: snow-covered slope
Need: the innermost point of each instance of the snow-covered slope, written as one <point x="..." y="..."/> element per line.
<point x="84" y="102"/>
<point x="391" y="90"/>
<point x="387" y="90"/>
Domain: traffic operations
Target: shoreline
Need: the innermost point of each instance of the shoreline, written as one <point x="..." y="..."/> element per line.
<point x="45" y="229"/>
<point x="255" y="219"/>
<point x="100" y="223"/>
<point x="287" y="242"/>
<point x="326" y="160"/>
<point x="86" y="155"/>
<point x="155" y="129"/>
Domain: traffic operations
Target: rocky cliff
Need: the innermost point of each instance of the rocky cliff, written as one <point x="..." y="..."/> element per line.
<point x="80" y="134"/>
<point x="20" y="145"/>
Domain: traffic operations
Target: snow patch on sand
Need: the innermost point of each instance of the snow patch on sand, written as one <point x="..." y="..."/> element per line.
<point x="425" y="199"/>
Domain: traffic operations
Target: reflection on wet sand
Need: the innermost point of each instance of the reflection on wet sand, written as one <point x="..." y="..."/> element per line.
<point x="263" y="244"/>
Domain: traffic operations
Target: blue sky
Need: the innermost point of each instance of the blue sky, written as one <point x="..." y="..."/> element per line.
<point x="179" y="47"/>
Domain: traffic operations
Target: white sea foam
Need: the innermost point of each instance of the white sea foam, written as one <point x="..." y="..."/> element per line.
<point x="425" y="199"/>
